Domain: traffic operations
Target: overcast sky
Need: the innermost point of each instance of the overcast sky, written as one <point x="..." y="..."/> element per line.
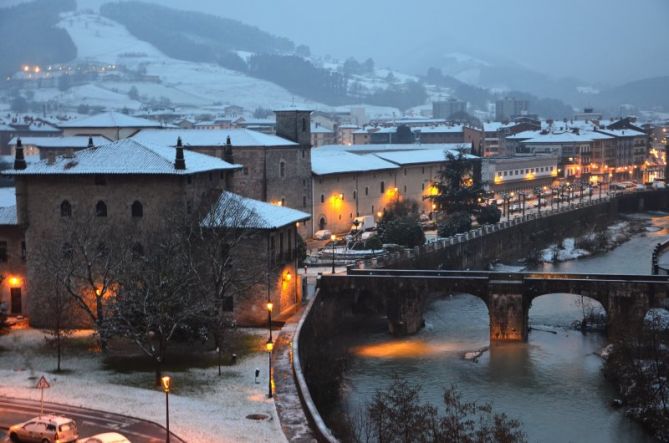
<point x="607" y="40"/>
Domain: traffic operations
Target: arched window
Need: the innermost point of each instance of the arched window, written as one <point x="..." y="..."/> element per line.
<point x="282" y="169"/>
<point x="322" y="198"/>
<point x="101" y="209"/>
<point x="65" y="209"/>
<point x="137" y="209"/>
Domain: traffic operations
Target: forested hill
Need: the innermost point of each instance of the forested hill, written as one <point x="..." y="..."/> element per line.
<point x="28" y="35"/>
<point x="192" y="36"/>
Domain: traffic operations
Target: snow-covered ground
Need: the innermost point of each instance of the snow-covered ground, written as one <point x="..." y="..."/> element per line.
<point x="217" y="413"/>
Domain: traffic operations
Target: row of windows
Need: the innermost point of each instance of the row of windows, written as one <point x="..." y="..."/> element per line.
<point x="525" y="171"/>
<point x="136" y="210"/>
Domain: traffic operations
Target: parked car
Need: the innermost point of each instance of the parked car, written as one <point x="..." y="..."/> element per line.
<point x="323" y="234"/>
<point x="45" y="429"/>
<point x="107" y="437"/>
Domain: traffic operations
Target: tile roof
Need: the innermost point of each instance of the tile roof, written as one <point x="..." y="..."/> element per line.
<point x="125" y="157"/>
<point x="234" y="211"/>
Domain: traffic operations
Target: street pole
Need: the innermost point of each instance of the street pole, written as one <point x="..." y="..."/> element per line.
<point x="333" y="238"/>
<point x="167" y="415"/>
<point x="269" y="347"/>
<point x="166" y="383"/>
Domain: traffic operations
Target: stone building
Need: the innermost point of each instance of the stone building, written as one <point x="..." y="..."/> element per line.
<point x="130" y="186"/>
<point x="12" y="262"/>
<point x="351" y="181"/>
<point x="276" y="168"/>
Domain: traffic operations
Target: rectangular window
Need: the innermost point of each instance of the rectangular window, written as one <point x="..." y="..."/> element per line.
<point x="383" y="187"/>
<point x="304" y="201"/>
<point x="3" y="251"/>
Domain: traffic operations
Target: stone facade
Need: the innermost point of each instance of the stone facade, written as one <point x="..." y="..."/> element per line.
<point x="13" y="288"/>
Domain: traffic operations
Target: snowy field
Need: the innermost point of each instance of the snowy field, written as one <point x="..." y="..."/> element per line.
<point x="216" y="412"/>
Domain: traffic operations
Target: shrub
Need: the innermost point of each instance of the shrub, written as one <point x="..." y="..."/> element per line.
<point x="455" y="224"/>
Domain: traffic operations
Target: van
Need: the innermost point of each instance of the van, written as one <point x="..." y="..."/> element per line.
<point x="363" y="223"/>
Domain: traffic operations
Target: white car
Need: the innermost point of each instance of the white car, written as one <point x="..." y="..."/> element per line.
<point x="323" y="234"/>
<point x="107" y="437"/>
<point x="45" y="429"/>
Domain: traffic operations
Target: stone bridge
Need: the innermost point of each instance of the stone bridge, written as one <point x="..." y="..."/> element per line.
<point x="401" y="295"/>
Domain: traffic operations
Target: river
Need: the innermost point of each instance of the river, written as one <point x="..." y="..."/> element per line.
<point x="553" y="383"/>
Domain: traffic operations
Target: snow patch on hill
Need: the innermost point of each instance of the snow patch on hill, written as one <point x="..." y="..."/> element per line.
<point x="184" y="83"/>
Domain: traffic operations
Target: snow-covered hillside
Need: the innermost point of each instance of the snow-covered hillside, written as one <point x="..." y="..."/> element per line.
<point x="99" y="39"/>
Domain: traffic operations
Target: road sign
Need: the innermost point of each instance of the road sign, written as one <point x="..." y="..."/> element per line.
<point x="42" y="383"/>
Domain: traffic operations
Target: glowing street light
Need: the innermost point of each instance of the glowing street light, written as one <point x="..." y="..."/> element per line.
<point x="333" y="238"/>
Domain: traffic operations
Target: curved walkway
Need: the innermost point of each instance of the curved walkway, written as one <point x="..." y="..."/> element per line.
<point x="294" y="422"/>
<point x="89" y="421"/>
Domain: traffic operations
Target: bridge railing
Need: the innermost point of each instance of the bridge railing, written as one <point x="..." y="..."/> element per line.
<point x="442" y="243"/>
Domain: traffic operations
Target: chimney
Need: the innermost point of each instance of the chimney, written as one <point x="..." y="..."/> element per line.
<point x="19" y="159"/>
<point x="227" y="153"/>
<point x="90" y="142"/>
<point x="180" y="162"/>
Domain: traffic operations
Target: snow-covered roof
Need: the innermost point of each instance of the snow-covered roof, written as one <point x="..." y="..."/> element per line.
<point x="60" y="142"/>
<point x="561" y="137"/>
<point x="418" y="157"/>
<point x="4" y="127"/>
<point x="318" y="129"/>
<point x="211" y="137"/>
<point x="324" y="162"/>
<point x="524" y="135"/>
<point x="386" y="147"/>
<point x="234" y="211"/>
<point x="111" y="120"/>
<point x="125" y="157"/>
<point x="495" y="126"/>
<point x="8" y="215"/>
<point x="7" y="197"/>
<point x="623" y="132"/>
<point x="439" y="129"/>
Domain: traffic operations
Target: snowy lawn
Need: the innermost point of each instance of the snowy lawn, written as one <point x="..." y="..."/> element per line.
<point x="203" y="406"/>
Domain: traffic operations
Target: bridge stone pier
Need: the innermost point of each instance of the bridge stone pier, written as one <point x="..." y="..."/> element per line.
<point x="401" y="296"/>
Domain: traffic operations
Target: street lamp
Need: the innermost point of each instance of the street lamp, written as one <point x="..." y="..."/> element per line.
<point x="269" y="346"/>
<point x="537" y="191"/>
<point x="333" y="238"/>
<point x="270" y="306"/>
<point x="166" y="382"/>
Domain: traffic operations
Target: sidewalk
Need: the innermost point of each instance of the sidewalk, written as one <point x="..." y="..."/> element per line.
<point x="293" y="421"/>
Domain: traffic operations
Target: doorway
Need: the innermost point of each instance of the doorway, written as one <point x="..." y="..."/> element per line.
<point x="15" y="294"/>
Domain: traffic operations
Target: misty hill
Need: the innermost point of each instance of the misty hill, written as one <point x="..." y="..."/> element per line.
<point x="650" y="93"/>
<point x="192" y="36"/>
<point x="29" y="35"/>
<point x="198" y="37"/>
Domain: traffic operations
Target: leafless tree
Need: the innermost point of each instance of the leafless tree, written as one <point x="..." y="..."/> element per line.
<point x="84" y="258"/>
<point x="225" y="261"/>
<point x="397" y="414"/>
<point x="157" y="296"/>
<point x="58" y="309"/>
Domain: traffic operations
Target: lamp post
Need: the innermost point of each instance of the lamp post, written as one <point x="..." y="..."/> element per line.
<point x="166" y="382"/>
<point x="269" y="346"/>
<point x="537" y="192"/>
<point x="270" y="306"/>
<point x="333" y="238"/>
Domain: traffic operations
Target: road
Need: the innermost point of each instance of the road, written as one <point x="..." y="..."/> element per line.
<point x="89" y="421"/>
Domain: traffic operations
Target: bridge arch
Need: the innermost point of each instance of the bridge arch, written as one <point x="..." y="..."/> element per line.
<point x="564" y="309"/>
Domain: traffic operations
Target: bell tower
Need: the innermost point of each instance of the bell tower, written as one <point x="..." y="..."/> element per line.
<point x="294" y="124"/>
